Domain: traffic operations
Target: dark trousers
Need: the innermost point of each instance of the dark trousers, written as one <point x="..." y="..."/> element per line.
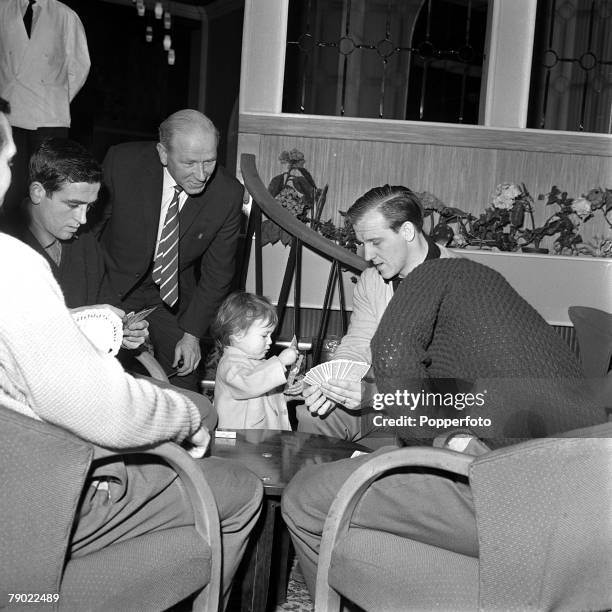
<point x="164" y="331"/>
<point x="26" y="141"/>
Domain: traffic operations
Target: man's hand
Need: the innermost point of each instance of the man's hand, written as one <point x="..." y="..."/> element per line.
<point x="352" y="395"/>
<point x="187" y="353"/>
<point x="347" y="393"/>
<point x="316" y="402"/>
<point x="198" y="442"/>
<point x="134" y="334"/>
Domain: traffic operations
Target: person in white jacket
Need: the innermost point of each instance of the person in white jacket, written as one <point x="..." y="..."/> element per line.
<point x="44" y="62"/>
<point x="248" y="387"/>
<point x="388" y="221"/>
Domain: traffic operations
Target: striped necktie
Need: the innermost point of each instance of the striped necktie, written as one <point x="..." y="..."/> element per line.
<point x="27" y="18"/>
<point x="165" y="268"/>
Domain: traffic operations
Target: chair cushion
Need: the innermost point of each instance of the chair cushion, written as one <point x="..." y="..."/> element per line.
<point x="381" y="571"/>
<point x="42" y="471"/>
<point x="544" y="524"/>
<point x="151" y="572"/>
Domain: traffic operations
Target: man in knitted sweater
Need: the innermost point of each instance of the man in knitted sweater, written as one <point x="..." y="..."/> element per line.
<point x="388" y="221"/>
<point x="468" y="348"/>
<point x="50" y="371"/>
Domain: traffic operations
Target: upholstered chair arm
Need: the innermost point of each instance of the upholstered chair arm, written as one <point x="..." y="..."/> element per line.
<point x="341" y="511"/>
<point x="205" y="512"/>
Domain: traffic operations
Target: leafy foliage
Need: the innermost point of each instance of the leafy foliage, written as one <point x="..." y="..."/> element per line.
<point x="295" y="190"/>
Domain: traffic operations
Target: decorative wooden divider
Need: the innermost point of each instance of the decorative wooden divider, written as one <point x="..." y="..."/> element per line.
<point x="301" y="235"/>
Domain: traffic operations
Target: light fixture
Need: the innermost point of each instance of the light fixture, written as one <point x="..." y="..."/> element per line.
<point x="161" y="10"/>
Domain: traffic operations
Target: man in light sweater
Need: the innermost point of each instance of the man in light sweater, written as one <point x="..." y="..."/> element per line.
<point x="52" y="372"/>
<point x="388" y="221"/>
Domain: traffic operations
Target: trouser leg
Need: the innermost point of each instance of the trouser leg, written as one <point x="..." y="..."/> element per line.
<point x="420" y="505"/>
<point x="336" y="424"/>
<point x="152" y="498"/>
<point x="238" y="493"/>
<point x="164" y="333"/>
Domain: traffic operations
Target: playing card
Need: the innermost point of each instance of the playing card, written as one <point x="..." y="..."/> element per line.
<point x="139" y="316"/>
<point x="295" y="368"/>
<point x="345" y="369"/>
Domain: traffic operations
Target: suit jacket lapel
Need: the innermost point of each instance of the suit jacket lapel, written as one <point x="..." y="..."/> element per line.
<point x="150" y="190"/>
<point x="191" y="209"/>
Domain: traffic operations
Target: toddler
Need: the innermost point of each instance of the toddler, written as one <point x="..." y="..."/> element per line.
<point x="247" y="386"/>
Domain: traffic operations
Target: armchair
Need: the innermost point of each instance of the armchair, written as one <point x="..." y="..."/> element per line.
<point x="594" y="332"/>
<point x="544" y="531"/>
<point x="43" y="472"/>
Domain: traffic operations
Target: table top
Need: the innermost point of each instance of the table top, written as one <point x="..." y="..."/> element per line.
<point x="276" y="456"/>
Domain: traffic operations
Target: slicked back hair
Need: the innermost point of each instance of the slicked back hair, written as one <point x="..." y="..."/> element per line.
<point x="185" y="121"/>
<point x="238" y="312"/>
<point x="396" y="203"/>
<point x="59" y="160"/>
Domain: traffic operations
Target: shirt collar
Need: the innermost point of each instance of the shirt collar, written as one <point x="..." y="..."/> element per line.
<point x="433" y="252"/>
<point x="168" y="189"/>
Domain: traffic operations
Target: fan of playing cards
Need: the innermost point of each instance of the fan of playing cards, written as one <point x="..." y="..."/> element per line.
<point x="103" y="328"/>
<point x="344" y="369"/>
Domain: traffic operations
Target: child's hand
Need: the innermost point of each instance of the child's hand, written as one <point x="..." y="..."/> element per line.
<point x="294" y="389"/>
<point x="288" y="356"/>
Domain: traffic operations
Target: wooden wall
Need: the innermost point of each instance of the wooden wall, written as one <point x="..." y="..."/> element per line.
<point x="461" y="165"/>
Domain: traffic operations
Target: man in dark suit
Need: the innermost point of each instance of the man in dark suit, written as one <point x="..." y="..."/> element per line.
<point x="146" y="181"/>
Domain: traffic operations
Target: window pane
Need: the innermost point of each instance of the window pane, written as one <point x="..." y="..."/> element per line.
<point x="402" y="59"/>
<point x="571" y="82"/>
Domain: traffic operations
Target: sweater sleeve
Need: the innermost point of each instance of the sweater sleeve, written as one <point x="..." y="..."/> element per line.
<point x="63" y="379"/>
<point x="364" y="321"/>
<point x="245" y="381"/>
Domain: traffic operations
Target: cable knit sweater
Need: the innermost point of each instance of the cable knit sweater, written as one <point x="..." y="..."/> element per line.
<point x="458" y="326"/>
<point x="371" y="296"/>
<point x="50" y="371"/>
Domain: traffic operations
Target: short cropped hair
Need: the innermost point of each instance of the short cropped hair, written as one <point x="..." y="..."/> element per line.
<point x="396" y="203"/>
<point x="185" y="120"/>
<point x="238" y="312"/>
<point x="59" y="160"/>
<point x="5" y="108"/>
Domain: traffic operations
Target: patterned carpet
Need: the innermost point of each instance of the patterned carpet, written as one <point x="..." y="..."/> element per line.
<point x="298" y="598"/>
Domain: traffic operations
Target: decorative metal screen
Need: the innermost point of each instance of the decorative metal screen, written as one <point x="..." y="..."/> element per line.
<point x="392" y="59"/>
<point x="571" y="87"/>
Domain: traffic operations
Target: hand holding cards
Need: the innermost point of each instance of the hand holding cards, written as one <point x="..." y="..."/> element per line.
<point x="134" y="317"/>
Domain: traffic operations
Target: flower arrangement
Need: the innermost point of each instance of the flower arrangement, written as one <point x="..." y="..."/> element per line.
<point x="501" y="226"/>
<point x="566" y="220"/>
<point x="295" y="190"/>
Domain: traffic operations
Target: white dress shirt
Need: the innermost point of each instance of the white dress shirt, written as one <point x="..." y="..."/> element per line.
<point x="40" y="75"/>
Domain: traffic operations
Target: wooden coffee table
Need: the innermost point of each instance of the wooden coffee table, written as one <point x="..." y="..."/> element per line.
<point x="275" y="456"/>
